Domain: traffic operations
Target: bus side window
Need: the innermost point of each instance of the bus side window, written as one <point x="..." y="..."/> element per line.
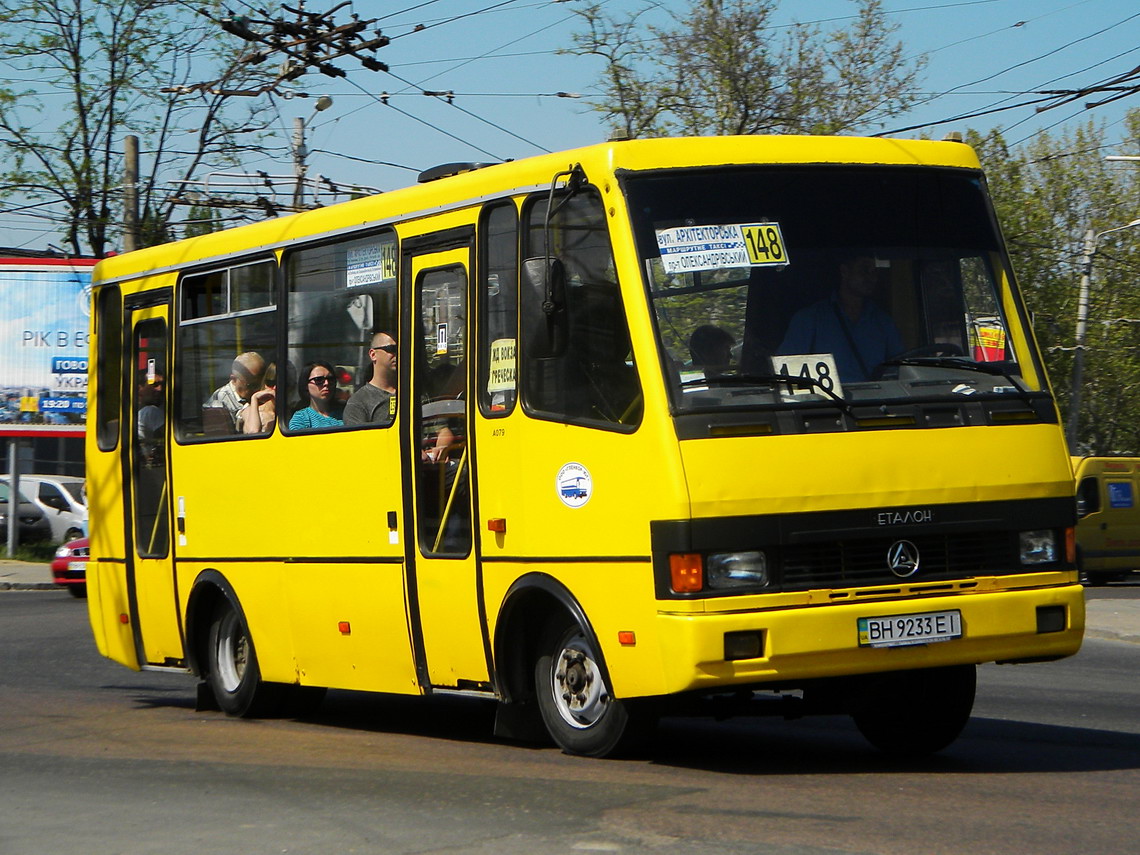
<point x="594" y="380"/>
<point x="227" y="331"/>
<point x="340" y="295"/>
<point x="109" y="374"/>
<point x="498" y="310"/>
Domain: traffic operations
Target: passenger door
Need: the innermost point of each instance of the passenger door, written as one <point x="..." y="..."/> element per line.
<point x="444" y="582"/>
<point x="150" y="561"/>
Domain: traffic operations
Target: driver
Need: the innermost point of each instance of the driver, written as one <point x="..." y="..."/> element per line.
<point x="848" y="324"/>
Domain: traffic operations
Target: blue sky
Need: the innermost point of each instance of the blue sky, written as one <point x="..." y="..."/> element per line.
<point x="500" y="59"/>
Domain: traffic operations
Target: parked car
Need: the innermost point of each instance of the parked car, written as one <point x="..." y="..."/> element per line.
<point x="33" y="525"/>
<point x="69" y="567"/>
<point x="63" y="501"/>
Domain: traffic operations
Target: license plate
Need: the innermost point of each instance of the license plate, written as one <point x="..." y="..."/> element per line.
<point x="903" y="630"/>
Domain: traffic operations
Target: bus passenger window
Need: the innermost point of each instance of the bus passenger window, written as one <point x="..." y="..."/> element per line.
<point x="109" y="330"/>
<point x="594" y="381"/>
<point x="341" y="322"/>
<point x="498" y="310"/>
<point x="227" y="331"/>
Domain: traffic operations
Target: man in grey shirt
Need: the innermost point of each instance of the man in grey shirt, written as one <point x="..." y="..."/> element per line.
<point x="374" y="403"/>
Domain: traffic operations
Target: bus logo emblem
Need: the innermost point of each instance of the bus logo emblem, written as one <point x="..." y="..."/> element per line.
<point x="574" y="485"/>
<point x="903" y="558"/>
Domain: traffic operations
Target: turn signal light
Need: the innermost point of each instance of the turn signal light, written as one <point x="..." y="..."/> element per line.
<point x="345" y="627"/>
<point x="686" y="572"/>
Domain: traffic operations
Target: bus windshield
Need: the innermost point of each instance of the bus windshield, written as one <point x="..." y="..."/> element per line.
<point x="778" y="287"/>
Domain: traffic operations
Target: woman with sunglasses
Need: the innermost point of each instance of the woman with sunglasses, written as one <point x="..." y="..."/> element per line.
<point x="316" y="387"/>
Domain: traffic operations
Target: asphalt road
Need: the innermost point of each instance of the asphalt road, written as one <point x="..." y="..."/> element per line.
<point x="96" y="758"/>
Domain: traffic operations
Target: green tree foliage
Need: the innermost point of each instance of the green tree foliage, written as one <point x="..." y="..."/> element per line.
<point x="82" y="74"/>
<point x="720" y="68"/>
<point x="202" y="221"/>
<point x="1048" y="194"/>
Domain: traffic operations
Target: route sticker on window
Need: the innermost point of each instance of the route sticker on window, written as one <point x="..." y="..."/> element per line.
<point x="574" y="485"/>
<point x="501" y="373"/>
<point x="818" y="370"/>
<point x="690" y="248"/>
<point x="365" y="265"/>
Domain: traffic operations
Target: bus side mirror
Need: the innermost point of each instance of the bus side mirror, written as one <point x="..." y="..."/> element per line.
<point x="544" y="322"/>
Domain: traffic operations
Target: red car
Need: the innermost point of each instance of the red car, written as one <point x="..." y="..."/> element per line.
<point x="69" y="567"/>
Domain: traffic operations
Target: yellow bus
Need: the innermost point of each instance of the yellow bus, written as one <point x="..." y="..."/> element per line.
<point x="737" y="425"/>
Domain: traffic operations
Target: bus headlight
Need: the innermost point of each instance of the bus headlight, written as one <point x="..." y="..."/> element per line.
<point x="737" y="570"/>
<point x="1038" y="547"/>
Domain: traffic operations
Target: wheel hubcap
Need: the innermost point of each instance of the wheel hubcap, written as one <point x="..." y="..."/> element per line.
<point x="579" y="692"/>
<point x="232" y="653"/>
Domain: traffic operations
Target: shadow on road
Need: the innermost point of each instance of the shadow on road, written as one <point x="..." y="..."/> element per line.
<point x="821" y="745"/>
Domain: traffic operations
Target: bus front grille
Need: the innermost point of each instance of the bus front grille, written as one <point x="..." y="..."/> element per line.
<point x="843" y="563"/>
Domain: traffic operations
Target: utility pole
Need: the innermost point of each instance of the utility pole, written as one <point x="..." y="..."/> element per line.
<point x="131" y="193"/>
<point x="299" y="155"/>
<point x="1079" y="353"/>
<point x="1091" y="239"/>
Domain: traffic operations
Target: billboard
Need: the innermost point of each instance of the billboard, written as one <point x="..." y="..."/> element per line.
<point x="45" y="315"/>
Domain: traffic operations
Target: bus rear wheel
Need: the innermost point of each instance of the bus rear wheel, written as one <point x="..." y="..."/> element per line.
<point x="914" y="713"/>
<point x="580" y="712"/>
<point x="234" y="676"/>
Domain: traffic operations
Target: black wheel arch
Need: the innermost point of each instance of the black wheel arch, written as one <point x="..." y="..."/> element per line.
<point x="532" y="601"/>
<point x="208" y="589"/>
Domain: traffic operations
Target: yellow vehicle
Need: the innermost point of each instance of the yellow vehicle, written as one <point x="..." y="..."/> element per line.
<point x="623" y="455"/>
<point x="1108" y="517"/>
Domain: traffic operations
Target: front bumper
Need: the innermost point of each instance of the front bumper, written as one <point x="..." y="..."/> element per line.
<point x="807" y="642"/>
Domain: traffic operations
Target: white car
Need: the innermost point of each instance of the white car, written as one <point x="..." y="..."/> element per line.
<point x="61" y="498"/>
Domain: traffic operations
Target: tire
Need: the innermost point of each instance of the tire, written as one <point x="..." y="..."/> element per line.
<point x="72" y="534"/>
<point x="77" y="591"/>
<point x="915" y="713"/>
<point x="234" y="676"/>
<point x="578" y="709"/>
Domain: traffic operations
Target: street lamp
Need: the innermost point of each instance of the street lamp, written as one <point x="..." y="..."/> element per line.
<point x="1091" y="239"/>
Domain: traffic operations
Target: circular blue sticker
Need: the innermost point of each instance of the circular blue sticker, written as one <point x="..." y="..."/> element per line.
<point x="574" y="485"/>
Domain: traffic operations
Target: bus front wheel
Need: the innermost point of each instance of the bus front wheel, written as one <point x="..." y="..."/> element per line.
<point x="579" y="710"/>
<point x="234" y="676"/>
<point x="915" y="712"/>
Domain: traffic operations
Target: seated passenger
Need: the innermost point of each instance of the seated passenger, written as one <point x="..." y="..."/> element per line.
<point x="848" y="324"/>
<point x="375" y="401"/>
<point x="246" y="374"/>
<point x="316" y="389"/>
<point x="711" y="349"/>
<point x="260" y="416"/>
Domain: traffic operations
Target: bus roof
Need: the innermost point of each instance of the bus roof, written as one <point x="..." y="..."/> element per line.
<point x="477" y="185"/>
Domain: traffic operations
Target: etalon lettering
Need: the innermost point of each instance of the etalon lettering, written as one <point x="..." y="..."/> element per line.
<point x="918" y="515"/>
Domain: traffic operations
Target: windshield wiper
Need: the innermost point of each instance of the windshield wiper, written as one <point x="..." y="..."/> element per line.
<point x="769" y="380"/>
<point x="963" y="363"/>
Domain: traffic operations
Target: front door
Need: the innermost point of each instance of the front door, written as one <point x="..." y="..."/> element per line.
<point x="150" y="572"/>
<point x="444" y="578"/>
